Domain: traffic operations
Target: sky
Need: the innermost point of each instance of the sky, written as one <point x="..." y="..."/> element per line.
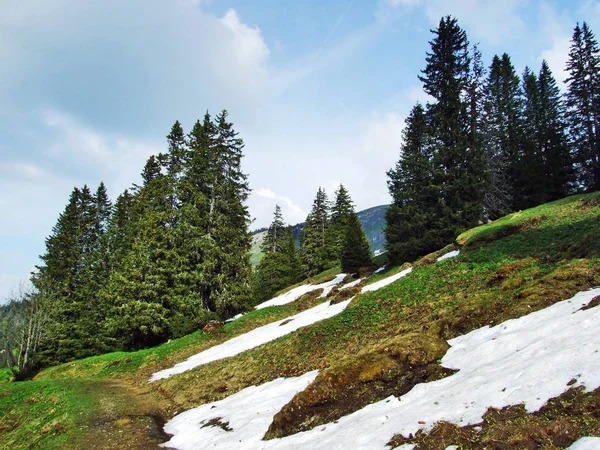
<point x="317" y="90"/>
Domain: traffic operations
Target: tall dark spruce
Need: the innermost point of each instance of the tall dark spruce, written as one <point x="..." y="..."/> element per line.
<point x="503" y="135"/>
<point x="457" y="159"/>
<point x="583" y="105"/>
<point x="414" y="195"/>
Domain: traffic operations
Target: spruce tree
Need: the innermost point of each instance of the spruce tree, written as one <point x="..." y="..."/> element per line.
<point x="528" y="190"/>
<point x="558" y="163"/>
<point x="410" y="217"/>
<point x="228" y="242"/>
<point x="341" y="210"/>
<point x="356" y="252"/>
<point x="457" y="159"/>
<point x="583" y="105"/>
<point x="280" y="266"/>
<point x="503" y="135"/>
<point x="317" y="251"/>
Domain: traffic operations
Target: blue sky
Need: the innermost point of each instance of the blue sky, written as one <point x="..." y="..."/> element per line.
<point x="318" y="90"/>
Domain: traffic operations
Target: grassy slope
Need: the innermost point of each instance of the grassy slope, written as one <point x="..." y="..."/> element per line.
<point x="508" y="268"/>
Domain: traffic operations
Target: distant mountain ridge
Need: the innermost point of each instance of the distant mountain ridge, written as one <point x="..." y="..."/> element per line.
<point x="372" y="220"/>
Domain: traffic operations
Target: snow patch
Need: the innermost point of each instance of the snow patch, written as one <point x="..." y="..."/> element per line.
<point x="299" y="291"/>
<point x="586" y="443"/>
<point x="254" y="338"/>
<point x="248" y="413"/>
<point x="351" y="284"/>
<point x="527" y="360"/>
<point x="389" y="280"/>
<point x="449" y="255"/>
<point x="381" y="269"/>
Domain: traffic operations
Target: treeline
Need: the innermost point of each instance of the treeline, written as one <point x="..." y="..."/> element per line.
<point x="168" y="256"/>
<point x="161" y="261"/>
<point x="490" y="142"/>
<point x="332" y="236"/>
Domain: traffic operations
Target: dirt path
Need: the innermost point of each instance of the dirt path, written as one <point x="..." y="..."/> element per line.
<point x="126" y="417"/>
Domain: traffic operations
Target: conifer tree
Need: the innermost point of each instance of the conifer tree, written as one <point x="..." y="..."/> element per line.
<point x="317" y="252"/>
<point x="583" y="105"/>
<point x="503" y="135"/>
<point x="458" y="168"/>
<point x="414" y="195"/>
<point x="280" y="266"/>
<point x="527" y="190"/>
<point x="341" y="210"/>
<point x="356" y="252"/>
<point x="559" y="174"/>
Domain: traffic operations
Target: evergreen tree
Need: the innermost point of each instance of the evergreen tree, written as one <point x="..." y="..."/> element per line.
<point x="503" y="135"/>
<point x="317" y="252"/>
<point x="414" y="196"/>
<point x="558" y="164"/>
<point x="356" y="252"/>
<point x="275" y="239"/>
<point x="226" y="246"/>
<point x="528" y="192"/>
<point x="583" y="103"/>
<point x="280" y="266"/>
<point x="140" y="292"/>
<point x="459" y="171"/>
<point x="341" y="210"/>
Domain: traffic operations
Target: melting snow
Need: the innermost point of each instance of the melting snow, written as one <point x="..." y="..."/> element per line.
<point x="274" y="330"/>
<point x="526" y="360"/>
<point x="381" y="269"/>
<point x="254" y="338"/>
<point x="389" y="280"/>
<point x="248" y="413"/>
<point x="448" y="255"/>
<point x="586" y="443"/>
<point x="299" y="291"/>
<point x="351" y="284"/>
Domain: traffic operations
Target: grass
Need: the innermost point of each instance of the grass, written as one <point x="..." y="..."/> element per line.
<point x="507" y="268"/>
<point x="6" y="375"/>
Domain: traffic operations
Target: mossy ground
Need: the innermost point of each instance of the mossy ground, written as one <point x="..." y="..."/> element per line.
<point x="506" y="269"/>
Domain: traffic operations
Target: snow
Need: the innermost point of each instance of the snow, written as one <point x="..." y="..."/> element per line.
<point x="527" y="360"/>
<point x="255" y="337"/>
<point x="299" y="291"/>
<point x="248" y="412"/>
<point x="448" y="255"/>
<point x="351" y="284"/>
<point x="389" y="280"/>
<point x="381" y="269"/>
<point x="586" y="443"/>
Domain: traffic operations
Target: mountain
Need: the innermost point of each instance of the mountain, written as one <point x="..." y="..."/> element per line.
<point x="372" y="220"/>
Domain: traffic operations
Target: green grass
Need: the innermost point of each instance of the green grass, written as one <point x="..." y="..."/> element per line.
<point x="6" y="375"/>
<point x="44" y="414"/>
<point x="455" y="296"/>
<point x="507" y="268"/>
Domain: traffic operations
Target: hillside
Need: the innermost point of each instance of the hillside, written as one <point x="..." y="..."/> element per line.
<point x="372" y="220"/>
<point x="491" y="340"/>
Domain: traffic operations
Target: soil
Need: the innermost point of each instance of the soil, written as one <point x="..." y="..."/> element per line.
<point x="128" y="418"/>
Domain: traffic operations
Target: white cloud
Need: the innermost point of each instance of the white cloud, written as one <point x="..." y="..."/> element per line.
<point x="262" y="203"/>
<point x="558" y="29"/>
<point x="25" y="171"/>
<point x="117" y="160"/>
<point x="265" y="193"/>
<point x="250" y="49"/>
